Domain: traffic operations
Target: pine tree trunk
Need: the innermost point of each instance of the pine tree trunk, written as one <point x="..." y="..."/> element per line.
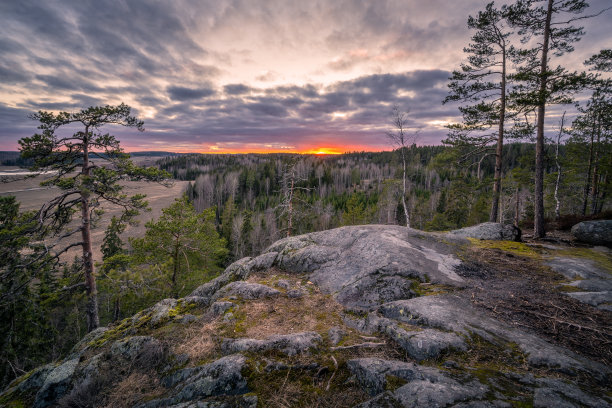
<point x="587" y="182"/>
<point x="500" y="145"/>
<point x="595" y="184"/>
<point x="93" y="320"/>
<point x="538" y="222"/>
<point x="516" y="208"/>
<point x="557" y="201"/>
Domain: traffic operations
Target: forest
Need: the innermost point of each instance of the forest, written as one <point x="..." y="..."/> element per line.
<point x="509" y="160"/>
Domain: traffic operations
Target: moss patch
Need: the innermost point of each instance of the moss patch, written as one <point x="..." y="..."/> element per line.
<point x="512" y="247"/>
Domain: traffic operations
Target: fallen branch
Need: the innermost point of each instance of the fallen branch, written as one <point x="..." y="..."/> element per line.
<point x="360" y="345"/>
<point x="334" y="373"/>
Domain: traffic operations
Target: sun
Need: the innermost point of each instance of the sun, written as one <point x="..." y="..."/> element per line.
<point x="324" y="150"/>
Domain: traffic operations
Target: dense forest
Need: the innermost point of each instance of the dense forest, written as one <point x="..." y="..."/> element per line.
<point x="249" y="193"/>
<point x="236" y="205"/>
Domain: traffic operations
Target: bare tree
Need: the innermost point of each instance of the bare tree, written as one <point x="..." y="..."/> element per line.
<point x="291" y="176"/>
<point x="558" y="181"/>
<point x="400" y="138"/>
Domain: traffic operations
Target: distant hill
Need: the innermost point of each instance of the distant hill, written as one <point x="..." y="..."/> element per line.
<point x="11" y="158"/>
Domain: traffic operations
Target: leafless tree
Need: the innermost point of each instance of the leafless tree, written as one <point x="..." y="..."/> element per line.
<point x="402" y="139"/>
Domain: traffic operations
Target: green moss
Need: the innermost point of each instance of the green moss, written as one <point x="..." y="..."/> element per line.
<point x="429" y="289"/>
<point x="131" y="325"/>
<point x="569" y="288"/>
<point x="393" y="382"/>
<point x="303" y="387"/>
<point x="515" y="248"/>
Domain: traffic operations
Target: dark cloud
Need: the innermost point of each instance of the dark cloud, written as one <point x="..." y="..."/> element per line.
<point x="179" y="93"/>
<point x="236" y="89"/>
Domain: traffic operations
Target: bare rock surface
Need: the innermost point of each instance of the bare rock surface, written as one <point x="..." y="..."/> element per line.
<point x="246" y="290"/>
<point x="56" y="384"/>
<point x="590" y="276"/>
<point x="219" y="378"/>
<point x="425" y="386"/>
<point x="455" y="314"/>
<point x="364" y="266"/>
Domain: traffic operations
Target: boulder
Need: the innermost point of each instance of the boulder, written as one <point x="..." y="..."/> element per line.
<point x="56" y="385"/>
<point x="246" y="290"/>
<point x="222" y="377"/>
<point x="594" y="232"/>
<point x="490" y="231"/>
<point x="135" y="348"/>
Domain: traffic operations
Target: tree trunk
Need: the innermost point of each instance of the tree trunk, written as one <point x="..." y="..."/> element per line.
<point x="117" y="310"/>
<point x="290" y="211"/>
<point x="538" y="222"/>
<point x="175" y="270"/>
<point x="595" y="184"/>
<point x="516" y="208"/>
<point x="406" y="212"/>
<point x="587" y="182"/>
<point x="93" y="320"/>
<point x="500" y="144"/>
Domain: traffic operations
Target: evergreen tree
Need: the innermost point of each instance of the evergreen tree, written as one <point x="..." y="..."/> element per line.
<point x="550" y="24"/>
<point x="24" y="281"/>
<point x="182" y="246"/>
<point x="82" y="182"/>
<point x="484" y="80"/>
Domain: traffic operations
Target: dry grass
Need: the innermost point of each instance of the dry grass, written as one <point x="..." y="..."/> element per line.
<point x="198" y="342"/>
<point x="135" y="388"/>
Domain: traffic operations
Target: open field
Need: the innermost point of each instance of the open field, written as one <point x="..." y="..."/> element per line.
<point x="32" y="196"/>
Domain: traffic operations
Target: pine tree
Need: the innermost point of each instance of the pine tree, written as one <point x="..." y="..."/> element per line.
<point x="549" y="24"/>
<point x="82" y="182"/>
<point x="484" y="80"/>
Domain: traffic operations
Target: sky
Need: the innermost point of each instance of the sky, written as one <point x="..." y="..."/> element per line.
<point x="235" y="76"/>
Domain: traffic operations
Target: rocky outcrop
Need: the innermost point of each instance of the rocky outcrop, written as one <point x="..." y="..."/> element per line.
<point x="490" y="231"/>
<point x="246" y="290"/>
<point x="454" y="314"/>
<point x="594" y="232"/>
<point x="379" y="314"/>
<point x="424" y="386"/>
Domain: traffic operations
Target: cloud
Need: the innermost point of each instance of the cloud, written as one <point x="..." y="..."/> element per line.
<point x="180" y="93"/>
<point x="254" y="72"/>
